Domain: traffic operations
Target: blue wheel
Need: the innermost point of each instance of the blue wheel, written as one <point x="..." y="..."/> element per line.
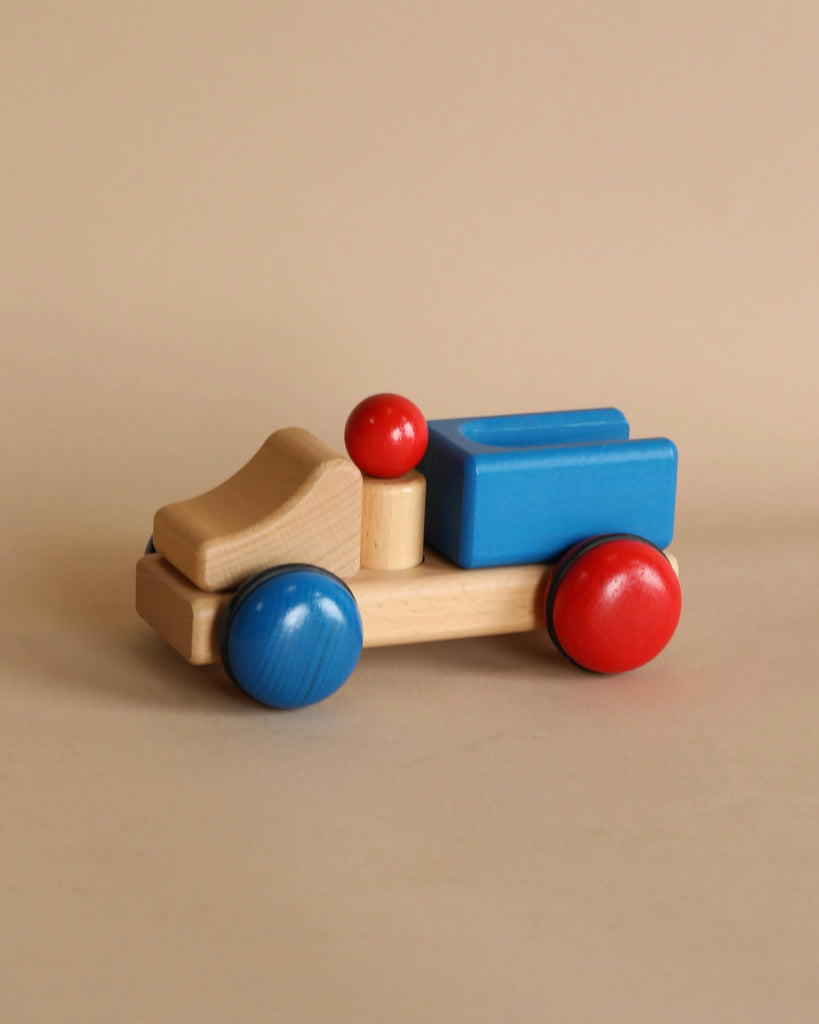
<point x="291" y="636"/>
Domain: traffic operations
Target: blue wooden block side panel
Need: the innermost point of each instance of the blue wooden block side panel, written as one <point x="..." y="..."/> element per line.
<point x="443" y="467"/>
<point x="513" y="489"/>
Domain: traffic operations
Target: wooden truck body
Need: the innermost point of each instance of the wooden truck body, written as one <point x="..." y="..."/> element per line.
<point x="285" y="571"/>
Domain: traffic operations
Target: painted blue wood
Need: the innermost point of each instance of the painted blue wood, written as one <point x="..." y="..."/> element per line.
<point x="506" y="490"/>
<point x="291" y="636"/>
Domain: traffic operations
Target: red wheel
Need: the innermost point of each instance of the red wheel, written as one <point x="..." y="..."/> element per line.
<point x="613" y="603"/>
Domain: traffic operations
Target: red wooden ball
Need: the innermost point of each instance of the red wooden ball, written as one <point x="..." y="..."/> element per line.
<point x="613" y="603"/>
<point x="386" y="435"/>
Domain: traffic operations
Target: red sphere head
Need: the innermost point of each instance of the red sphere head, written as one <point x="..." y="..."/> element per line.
<point x="613" y="603"/>
<point x="386" y="435"/>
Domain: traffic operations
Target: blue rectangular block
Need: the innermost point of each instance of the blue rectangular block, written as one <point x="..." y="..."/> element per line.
<point x="506" y="490"/>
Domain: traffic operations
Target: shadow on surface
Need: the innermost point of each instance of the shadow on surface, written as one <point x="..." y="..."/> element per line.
<point x="76" y="632"/>
<point x="519" y="663"/>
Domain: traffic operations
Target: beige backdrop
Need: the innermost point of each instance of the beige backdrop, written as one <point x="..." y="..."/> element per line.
<point x="220" y="219"/>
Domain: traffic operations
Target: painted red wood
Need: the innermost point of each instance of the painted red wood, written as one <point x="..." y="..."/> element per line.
<point x="386" y="435"/>
<point x="614" y="603"/>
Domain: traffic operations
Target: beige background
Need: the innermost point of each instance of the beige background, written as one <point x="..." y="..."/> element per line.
<point x="222" y="219"/>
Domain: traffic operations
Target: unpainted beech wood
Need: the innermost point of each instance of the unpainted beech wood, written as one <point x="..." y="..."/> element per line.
<point x="296" y="500"/>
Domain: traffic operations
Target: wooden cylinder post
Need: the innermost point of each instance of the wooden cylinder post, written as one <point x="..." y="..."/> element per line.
<point x="392" y="522"/>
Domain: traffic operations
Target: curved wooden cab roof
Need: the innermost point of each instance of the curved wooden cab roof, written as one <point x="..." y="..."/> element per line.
<point x="296" y="500"/>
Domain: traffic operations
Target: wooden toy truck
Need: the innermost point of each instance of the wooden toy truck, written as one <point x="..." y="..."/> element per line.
<point x="508" y="524"/>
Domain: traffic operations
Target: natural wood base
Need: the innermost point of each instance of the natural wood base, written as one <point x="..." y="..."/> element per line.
<point x="436" y="600"/>
<point x="188" y="618"/>
<point x="432" y="601"/>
